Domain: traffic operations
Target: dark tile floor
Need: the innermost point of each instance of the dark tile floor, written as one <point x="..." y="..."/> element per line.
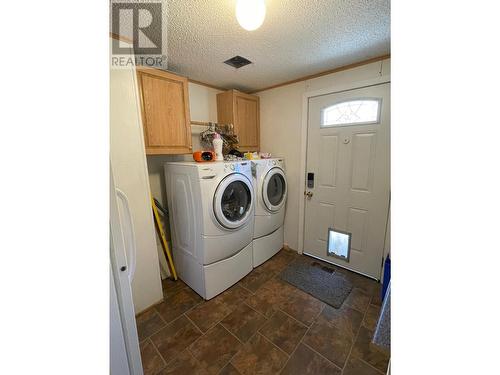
<point x="262" y="325"/>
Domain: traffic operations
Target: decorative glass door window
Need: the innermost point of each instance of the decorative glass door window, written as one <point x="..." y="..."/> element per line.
<point x="338" y="244"/>
<point x="352" y="112"/>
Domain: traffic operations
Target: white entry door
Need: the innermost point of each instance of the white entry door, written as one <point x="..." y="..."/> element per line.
<point x="348" y="176"/>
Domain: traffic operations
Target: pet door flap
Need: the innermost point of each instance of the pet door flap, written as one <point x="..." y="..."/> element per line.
<point x="338" y="244"/>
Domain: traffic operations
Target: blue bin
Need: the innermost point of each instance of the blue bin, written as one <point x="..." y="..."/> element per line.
<point x="387" y="275"/>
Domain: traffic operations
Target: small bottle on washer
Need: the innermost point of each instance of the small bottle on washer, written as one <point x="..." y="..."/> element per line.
<point x="217" y="142"/>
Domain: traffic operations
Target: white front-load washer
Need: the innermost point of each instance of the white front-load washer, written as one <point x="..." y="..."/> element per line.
<point x="270" y="188"/>
<point x="211" y="211"/>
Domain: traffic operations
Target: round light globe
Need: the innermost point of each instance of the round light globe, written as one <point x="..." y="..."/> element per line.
<point x="250" y="13"/>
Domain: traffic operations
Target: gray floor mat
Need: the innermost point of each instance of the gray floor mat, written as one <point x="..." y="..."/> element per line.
<point x="319" y="281"/>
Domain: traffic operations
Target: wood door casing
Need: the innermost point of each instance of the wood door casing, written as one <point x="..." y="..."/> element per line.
<point x="165" y="112"/>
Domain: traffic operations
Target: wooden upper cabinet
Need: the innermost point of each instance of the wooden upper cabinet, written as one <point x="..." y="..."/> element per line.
<point x="241" y="110"/>
<point x="165" y="112"/>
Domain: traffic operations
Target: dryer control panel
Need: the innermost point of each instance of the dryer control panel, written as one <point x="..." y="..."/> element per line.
<point x="260" y="166"/>
<point x="275" y="163"/>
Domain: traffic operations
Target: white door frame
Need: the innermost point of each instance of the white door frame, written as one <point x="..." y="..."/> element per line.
<point x="303" y="137"/>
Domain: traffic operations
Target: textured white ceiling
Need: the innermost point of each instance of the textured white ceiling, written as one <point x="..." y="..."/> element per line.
<point x="297" y="38"/>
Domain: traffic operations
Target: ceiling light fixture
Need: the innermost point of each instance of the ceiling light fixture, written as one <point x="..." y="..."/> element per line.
<point x="250" y="13"/>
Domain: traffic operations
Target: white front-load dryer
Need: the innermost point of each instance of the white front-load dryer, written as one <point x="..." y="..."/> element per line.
<point x="211" y="211"/>
<point x="270" y="188"/>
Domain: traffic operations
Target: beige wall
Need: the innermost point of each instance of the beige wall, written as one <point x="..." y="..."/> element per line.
<point x="203" y="107"/>
<point x="280" y="129"/>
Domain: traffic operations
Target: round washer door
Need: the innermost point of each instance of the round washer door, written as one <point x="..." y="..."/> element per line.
<point x="274" y="189"/>
<point x="233" y="201"/>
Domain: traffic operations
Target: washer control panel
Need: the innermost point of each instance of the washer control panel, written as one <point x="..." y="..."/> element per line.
<point x="237" y="166"/>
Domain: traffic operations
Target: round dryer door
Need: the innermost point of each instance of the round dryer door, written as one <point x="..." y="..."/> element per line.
<point x="233" y="201"/>
<point x="274" y="189"/>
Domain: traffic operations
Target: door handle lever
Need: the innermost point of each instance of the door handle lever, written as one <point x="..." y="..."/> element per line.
<point x="309" y="194"/>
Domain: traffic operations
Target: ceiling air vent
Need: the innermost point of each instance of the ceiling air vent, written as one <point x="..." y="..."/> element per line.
<point x="237" y="62"/>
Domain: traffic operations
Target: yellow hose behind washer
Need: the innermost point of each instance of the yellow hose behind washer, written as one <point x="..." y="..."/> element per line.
<point x="165" y="247"/>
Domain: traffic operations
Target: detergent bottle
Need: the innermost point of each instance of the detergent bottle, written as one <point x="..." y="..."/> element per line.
<point x="217" y="142"/>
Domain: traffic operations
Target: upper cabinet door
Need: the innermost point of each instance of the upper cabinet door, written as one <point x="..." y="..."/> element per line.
<point x="241" y="110"/>
<point x="247" y="121"/>
<point x="165" y="112"/>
